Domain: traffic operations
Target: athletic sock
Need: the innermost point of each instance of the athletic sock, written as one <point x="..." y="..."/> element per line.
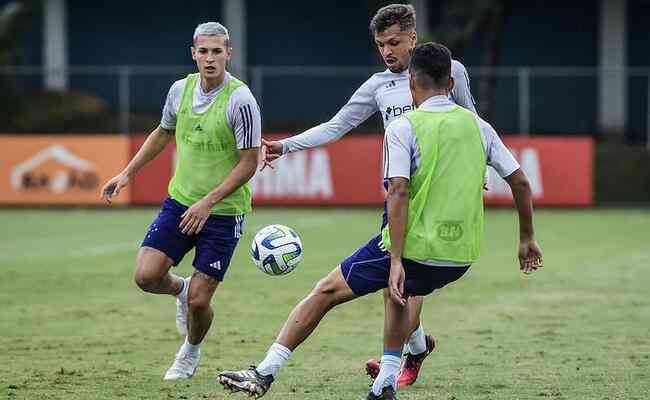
<point x="388" y="370"/>
<point x="183" y="283"/>
<point x="274" y="360"/>
<point x="188" y="347"/>
<point x="417" y="342"/>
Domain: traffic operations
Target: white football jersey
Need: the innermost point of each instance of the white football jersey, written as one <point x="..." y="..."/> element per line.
<point x="387" y="92"/>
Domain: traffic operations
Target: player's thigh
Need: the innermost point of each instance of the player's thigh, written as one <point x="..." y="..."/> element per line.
<point x="422" y="280"/>
<point x="151" y="264"/>
<point x="334" y="288"/>
<point x="215" y="245"/>
<point x="164" y="245"/>
<point x="367" y="269"/>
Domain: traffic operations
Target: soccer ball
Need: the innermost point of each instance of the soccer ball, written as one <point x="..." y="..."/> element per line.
<point x="276" y="250"/>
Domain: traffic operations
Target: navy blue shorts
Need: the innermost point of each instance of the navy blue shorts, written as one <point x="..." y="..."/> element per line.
<point x="215" y="244"/>
<point x="367" y="270"/>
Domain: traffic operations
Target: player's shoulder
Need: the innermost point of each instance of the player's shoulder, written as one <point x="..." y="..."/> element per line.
<point x="399" y="125"/>
<point x="484" y="126"/>
<point x="457" y="68"/>
<point x="379" y="78"/>
<point x="176" y="89"/>
<point x="242" y="95"/>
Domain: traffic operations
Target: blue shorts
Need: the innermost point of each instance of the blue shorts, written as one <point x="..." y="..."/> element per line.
<point x="367" y="270"/>
<point x="215" y="244"/>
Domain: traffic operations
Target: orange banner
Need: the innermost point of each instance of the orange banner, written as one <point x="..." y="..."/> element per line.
<point x="149" y="186"/>
<point x="57" y="169"/>
<point x="348" y="172"/>
<point x="560" y="171"/>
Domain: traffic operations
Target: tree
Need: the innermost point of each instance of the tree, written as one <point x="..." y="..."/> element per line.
<point x="461" y="22"/>
<point x="15" y="20"/>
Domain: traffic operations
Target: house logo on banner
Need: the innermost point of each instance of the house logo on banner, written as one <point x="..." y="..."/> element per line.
<point x="55" y="169"/>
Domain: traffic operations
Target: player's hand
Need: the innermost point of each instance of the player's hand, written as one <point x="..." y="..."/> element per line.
<point x="195" y="217"/>
<point x="113" y="186"/>
<point x="530" y="256"/>
<point x="396" y="282"/>
<point x="271" y="151"/>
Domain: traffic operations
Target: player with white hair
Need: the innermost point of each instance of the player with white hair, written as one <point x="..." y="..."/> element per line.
<point x="215" y="121"/>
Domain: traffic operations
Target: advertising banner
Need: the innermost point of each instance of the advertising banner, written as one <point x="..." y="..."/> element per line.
<point x="348" y="172"/>
<point x="560" y="170"/>
<point x="60" y="169"/>
<point x="149" y="185"/>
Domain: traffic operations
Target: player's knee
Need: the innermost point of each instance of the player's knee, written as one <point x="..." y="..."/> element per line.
<point x="198" y="302"/>
<point x="145" y="281"/>
<point x="324" y="287"/>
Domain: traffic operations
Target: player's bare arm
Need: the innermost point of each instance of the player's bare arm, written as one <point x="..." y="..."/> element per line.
<point x="155" y="143"/>
<point x="397" y="208"/>
<point x="194" y="218"/>
<point x="529" y="253"/>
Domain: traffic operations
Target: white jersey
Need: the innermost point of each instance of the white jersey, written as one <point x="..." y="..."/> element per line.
<point x="387" y="92"/>
<point x="402" y="153"/>
<point x="243" y="112"/>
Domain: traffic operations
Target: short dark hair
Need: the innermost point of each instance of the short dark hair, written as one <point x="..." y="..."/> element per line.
<point x="402" y="14"/>
<point x="433" y="61"/>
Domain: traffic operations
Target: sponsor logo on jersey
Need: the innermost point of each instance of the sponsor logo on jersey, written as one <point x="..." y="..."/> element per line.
<point x="450" y="231"/>
<point x="396" y="111"/>
<point x="391" y="84"/>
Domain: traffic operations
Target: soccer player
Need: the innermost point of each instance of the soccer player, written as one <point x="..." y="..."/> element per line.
<point x="394" y="30"/>
<point x="435" y="164"/>
<point x="216" y="124"/>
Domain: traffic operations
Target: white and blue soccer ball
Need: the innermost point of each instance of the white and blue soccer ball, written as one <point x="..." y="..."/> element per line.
<point x="276" y="250"/>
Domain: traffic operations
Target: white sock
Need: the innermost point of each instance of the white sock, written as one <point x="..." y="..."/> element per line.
<point x="184" y="286"/>
<point x="274" y="360"/>
<point x="388" y="370"/>
<point x="188" y="347"/>
<point x="417" y="342"/>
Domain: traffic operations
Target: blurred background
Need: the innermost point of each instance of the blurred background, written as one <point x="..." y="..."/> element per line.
<point x="539" y="68"/>
<point x="565" y="83"/>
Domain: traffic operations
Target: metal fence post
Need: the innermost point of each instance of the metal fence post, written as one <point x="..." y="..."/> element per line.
<point x="647" y="122"/>
<point x="258" y="83"/>
<point x="124" y="95"/>
<point x="524" y="100"/>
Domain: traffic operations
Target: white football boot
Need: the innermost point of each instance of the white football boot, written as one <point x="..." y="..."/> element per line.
<point x="184" y="366"/>
<point x="182" y="308"/>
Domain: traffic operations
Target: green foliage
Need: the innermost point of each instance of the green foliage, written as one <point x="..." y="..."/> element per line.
<point x="622" y="174"/>
<point x="74" y="325"/>
<point x="15" y="20"/>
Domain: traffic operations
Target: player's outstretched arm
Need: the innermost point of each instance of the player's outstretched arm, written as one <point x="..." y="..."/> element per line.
<point x="194" y="217"/>
<point x="155" y="143"/>
<point x="530" y="254"/>
<point x="361" y="106"/>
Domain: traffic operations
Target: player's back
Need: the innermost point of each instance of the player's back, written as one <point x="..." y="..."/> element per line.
<point x="446" y="188"/>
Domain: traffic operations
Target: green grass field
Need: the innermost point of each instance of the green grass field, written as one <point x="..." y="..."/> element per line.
<point x="73" y="325"/>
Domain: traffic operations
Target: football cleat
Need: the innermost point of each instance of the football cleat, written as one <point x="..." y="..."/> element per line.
<point x="184" y="366"/>
<point x="410" y="368"/>
<point x="412" y="363"/>
<point x="387" y="393"/>
<point x="248" y="380"/>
